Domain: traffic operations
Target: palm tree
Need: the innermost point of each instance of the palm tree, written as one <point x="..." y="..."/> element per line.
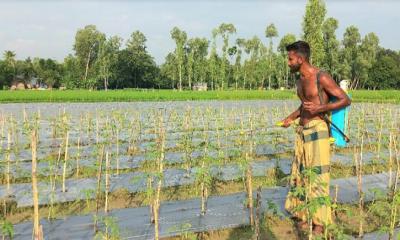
<point x="9" y="58"/>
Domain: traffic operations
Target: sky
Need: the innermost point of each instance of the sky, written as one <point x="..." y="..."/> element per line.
<point x="47" y="28"/>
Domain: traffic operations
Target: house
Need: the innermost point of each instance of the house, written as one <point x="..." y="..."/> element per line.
<point x="19" y="84"/>
<point x="201" y="86"/>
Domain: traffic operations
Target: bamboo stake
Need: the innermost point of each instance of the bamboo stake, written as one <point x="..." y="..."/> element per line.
<point x="203" y="187"/>
<point x="78" y="155"/>
<point x="360" y="192"/>
<point x="394" y="208"/>
<point x="14" y="133"/>
<point x="151" y="202"/>
<point x="390" y="185"/>
<point x="8" y="159"/>
<point x="160" y="171"/>
<point x="58" y="160"/>
<point x="250" y="170"/>
<point x="65" y="161"/>
<point x="249" y="192"/>
<point x="99" y="172"/>
<point x="97" y="130"/>
<point x="117" y="150"/>
<point x="36" y="226"/>
<point x="107" y="182"/>
<point x="2" y="132"/>
<point x="258" y="215"/>
<point x="335" y="199"/>
<point x="52" y="185"/>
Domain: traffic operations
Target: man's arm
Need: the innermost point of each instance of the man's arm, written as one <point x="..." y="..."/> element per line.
<point x="293" y="116"/>
<point x="332" y="89"/>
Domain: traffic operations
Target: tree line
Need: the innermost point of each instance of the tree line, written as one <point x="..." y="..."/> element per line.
<point x="223" y="62"/>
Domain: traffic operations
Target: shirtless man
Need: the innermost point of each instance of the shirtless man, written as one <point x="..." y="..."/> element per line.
<point x="313" y="133"/>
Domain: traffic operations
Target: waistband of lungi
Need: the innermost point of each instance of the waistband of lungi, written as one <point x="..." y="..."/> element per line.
<point x="313" y="123"/>
<point x="316" y="129"/>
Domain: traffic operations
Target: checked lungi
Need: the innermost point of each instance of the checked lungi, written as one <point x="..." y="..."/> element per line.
<point x="312" y="150"/>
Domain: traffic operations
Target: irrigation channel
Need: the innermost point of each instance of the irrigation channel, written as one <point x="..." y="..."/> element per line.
<point x="184" y="167"/>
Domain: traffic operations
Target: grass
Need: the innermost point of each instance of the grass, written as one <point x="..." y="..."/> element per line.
<point x="137" y="95"/>
<point x="380" y="96"/>
<point x="387" y="96"/>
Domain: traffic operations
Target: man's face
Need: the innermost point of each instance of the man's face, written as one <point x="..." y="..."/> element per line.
<point x="294" y="61"/>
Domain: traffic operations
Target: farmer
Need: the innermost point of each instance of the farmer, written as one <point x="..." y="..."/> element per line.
<point x="312" y="150"/>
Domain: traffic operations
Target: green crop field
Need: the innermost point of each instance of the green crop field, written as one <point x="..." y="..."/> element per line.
<point x="388" y="96"/>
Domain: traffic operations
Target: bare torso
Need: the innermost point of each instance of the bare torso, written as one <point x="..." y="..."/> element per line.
<point x="307" y="91"/>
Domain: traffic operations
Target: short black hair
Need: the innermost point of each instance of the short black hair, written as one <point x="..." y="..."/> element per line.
<point x="300" y="47"/>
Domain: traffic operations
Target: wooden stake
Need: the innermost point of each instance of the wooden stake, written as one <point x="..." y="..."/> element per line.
<point x="8" y="159"/>
<point x="250" y="193"/>
<point x="360" y="192"/>
<point x="151" y="200"/>
<point x="390" y="186"/>
<point x="107" y="182"/>
<point x="335" y="199"/>
<point x="160" y="161"/>
<point x="36" y="228"/>
<point x="65" y="161"/>
<point x="99" y="172"/>
<point x="258" y="215"/>
<point x="117" y="151"/>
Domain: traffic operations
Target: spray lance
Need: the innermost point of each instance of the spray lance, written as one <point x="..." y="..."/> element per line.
<point x="331" y="140"/>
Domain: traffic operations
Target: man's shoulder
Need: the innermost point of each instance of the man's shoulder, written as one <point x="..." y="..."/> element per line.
<point x="324" y="76"/>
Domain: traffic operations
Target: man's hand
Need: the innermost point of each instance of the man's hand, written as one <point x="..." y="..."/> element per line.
<point x="286" y="122"/>
<point x="312" y="108"/>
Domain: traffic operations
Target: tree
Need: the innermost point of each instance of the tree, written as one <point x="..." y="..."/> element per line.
<point x="137" y="42"/>
<point x="285" y="40"/>
<point x="108" y="53"/>
<point x="87" y="44"/>
<point x="190" y="61"/>
<point x="48" y="71"/>
<point x="169" y="71"/>
<point x="134" y="70"/>
<point x="72" y="75"/>
<point x="134" y="66"/>
<point x="26" y="69"/>
<point x="9" y="58"/>
<point x="10" y="66"/>
<point x="312" y="28"/>
<point x="180" y="38"/>
<point x="385" y="71"/>
<point x="237" y="72"/>
<point x="270" y="32"/>
<point x="224" y="30"/>
<point x="350" y="55"/>
<point x="213" y="59"/>
<point x="331" y="47"/>
<point x="197" y="52"/>
<point x="368" y="50"/>
<point x="253" y="47"/>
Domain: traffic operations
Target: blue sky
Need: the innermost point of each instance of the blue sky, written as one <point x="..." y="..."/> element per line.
<point x="47" y="28"/>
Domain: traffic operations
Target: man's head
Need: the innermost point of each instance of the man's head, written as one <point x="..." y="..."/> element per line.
<point x="298" y="53"/>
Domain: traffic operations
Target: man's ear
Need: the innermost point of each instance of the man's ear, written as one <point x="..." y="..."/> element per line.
<point x="300" y="59"/>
